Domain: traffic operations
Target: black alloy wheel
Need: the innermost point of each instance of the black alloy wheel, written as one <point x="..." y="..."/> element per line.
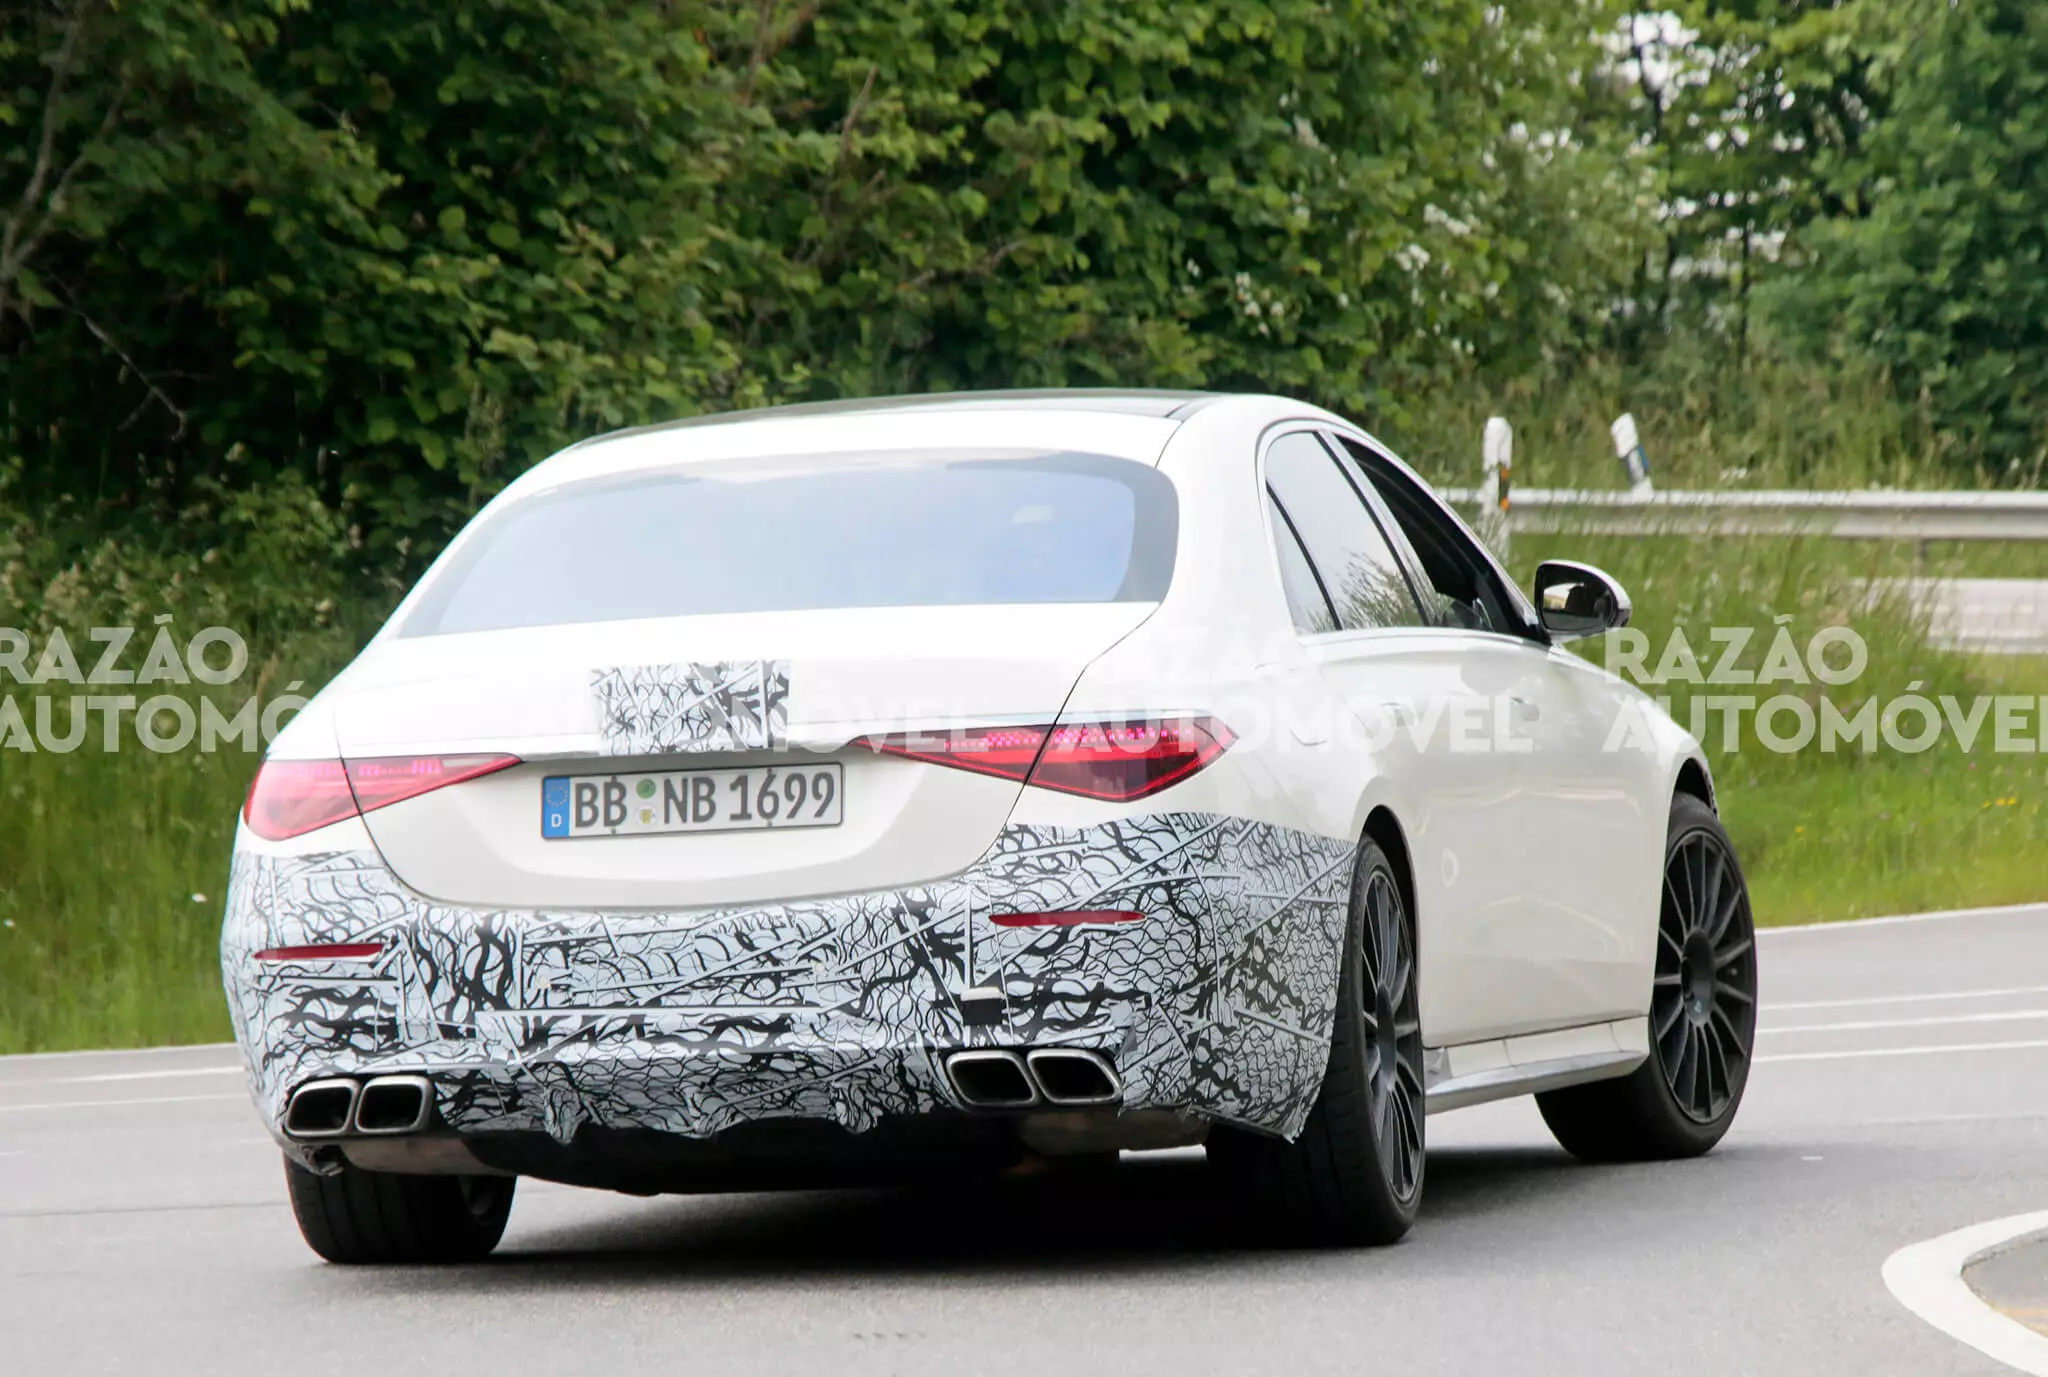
<point x="1393" y="1026"/>
<point x="1703" y="1000"/>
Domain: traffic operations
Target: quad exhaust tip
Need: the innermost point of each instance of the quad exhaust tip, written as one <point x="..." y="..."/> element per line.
<point x="988" y="1078"/>
<point x="382" y="1107"/>
<point x="321" y="1109"/>
<point x="992" y="1080"/>
<point x="1068" y="1076"/>
<point x="394" y="1104"/>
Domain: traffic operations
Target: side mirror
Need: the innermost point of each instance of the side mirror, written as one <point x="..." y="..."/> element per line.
<point x="1576" y="600"/>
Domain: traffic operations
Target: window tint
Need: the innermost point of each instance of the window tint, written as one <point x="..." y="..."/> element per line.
<point x="1463" y="585"/>
<point x="1344" y="545"/>
<point x="814" y="533"/>
<point x="1304" y="594"/>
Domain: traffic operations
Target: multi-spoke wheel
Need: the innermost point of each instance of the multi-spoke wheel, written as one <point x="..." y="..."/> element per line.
<point x="1354" y="1175"/>
<point x="1393" y="1031"/>
<point x="1703" y="1000"/>
<point x="1681" y="1100"/>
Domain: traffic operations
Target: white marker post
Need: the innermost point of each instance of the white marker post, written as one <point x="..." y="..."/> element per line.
<point x="1628" y="447"/>
<point x="1499" y="450"/>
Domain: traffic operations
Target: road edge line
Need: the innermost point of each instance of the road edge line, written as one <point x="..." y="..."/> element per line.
<point x="1927" y="1278"/>
<point x="1888" y="920"/>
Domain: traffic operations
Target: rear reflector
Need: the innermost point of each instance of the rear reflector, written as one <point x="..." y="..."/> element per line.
<point x="1114" y="761"/>
<point x="332" y="951"/>
<point x="292" y="797"/>
<point x="1072" y="918"/>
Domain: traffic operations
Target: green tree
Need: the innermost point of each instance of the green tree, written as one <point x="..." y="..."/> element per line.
<point x="399" y="250"/>
<point x="1944" y="281"/>
<point x="1752" y="113"/>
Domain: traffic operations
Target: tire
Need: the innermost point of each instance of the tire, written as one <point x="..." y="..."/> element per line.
<point x="372" y="1216"/>
<point x="1354" y="1175"/>
<point x="1681" y="1100"/>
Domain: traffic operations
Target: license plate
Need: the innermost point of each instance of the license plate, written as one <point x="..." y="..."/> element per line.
<point x="662" y="801"/>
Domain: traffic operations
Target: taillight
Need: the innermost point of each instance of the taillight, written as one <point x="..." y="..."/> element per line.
<point x="1005" y="752"/>
<point x="384" y="780"/>
<point x="1114" y="761"/>
<point x="1120" y="761"/>
<point x="292" y="797"/>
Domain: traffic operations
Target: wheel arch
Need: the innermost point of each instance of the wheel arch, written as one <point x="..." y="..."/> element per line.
<point x="1695" y="779"/>
<point x="1383" y="827"/>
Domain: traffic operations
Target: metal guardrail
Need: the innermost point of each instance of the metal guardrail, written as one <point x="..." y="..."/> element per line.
<point x="1875" y="515"/>
<point x="1639" y="509"/>
<point x="2007" y="616"/>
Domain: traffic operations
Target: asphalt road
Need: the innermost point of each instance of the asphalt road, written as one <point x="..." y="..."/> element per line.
<point x="143" y="1229"/>
<point x="2003" y="616"/>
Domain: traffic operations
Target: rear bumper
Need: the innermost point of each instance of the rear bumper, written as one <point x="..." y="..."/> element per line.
<point x="695" y="1022"/>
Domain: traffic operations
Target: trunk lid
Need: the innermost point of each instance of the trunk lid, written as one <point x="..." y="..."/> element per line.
<point x="787" y="690"/>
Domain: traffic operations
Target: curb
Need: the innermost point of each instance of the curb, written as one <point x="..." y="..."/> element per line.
<point x="1927" y="1278"/>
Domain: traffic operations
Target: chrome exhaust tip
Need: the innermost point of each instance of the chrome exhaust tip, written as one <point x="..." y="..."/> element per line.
<point x="987" y="1079"/>
<point x="1070" y="1076"/>
<point x="394" y="1104"/>
<point x="321" y="1109"/>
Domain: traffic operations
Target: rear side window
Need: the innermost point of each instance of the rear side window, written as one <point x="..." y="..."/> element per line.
<point x="1463" y="585"/>
<point x="1354" y="563"/>
<point x="1305" y="598"/>
<point x="842" y="531"/>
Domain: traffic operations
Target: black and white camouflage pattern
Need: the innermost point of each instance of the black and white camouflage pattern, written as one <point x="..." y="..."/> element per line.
<point x="723" y="705"/>
<point x="1219" y="1001"/>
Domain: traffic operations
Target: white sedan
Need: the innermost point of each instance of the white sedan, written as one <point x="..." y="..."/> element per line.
<point x="878" y="790"/>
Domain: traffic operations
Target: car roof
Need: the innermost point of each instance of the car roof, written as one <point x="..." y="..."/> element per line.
<point x="1161" y="403"/>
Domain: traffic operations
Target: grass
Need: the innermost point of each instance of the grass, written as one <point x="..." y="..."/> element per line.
<point x="112" y="875"/>
<point x="112" y="866"/>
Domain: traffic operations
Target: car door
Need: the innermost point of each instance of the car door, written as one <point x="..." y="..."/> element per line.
<point x="1385" y="692"/>
<point x="1536" y="904"/>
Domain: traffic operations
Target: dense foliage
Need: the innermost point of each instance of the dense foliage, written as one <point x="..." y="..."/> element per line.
<point x="363" y="262"/>
<point x="402" y="250"/>
<point x="1943" y="277"/>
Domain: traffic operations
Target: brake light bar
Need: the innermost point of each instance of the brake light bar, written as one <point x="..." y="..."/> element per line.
<point x="1117" y="762"/>
<point x="292" y="797"/>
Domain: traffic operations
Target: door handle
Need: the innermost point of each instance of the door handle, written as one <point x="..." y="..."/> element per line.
<point x="1401" y="714"/>
<point x="1525" y="708"/>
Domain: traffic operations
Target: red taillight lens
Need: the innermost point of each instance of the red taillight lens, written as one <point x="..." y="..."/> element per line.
<point x="1120" y="761"/>
<point x="1114" y="761"/>
<point x="1006" y="752"/>
<point x="384" y="780"/>
<point x="294" y="796"/>
<point x="291" y="797"/>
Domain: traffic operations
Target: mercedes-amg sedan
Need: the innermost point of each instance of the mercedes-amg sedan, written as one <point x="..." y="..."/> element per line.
<point x="890" y="789"/>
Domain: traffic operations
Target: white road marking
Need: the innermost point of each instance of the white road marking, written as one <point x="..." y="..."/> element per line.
<point x="1901" y="1051"/>
<point x="1905" y="998"/>
<point x="1927" y="1278"/>
<point x="1860" y="1025"/>
<point x="137" y="1076"/>
<point x="112" y="1104"/>
<point x="1985" y="1117"/>
<point x="1939" y="915"/>
<point x="121" y="1052"/>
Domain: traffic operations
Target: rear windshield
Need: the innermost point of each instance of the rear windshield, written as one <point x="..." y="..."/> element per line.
<point x="922" y="530"/>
